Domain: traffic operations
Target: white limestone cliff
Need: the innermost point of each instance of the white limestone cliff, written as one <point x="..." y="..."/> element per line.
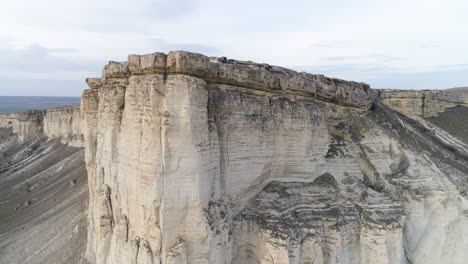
<point x="193" y="159"/>
<point x="63" y="123"/>
<point x="24" y="124"/>
<point x="425" y="103"/>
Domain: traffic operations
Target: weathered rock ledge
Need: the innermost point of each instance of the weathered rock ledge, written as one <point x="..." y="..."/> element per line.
<point x="245" y="74"/>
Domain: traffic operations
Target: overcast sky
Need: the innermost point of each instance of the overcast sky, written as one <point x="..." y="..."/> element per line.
<point x="48" y="47"/>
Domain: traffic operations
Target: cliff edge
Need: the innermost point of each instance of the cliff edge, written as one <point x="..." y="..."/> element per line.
<point x="194" y="159"/>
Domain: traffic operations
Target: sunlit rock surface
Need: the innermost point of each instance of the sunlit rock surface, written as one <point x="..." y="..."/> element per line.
<point x="193" y="159"/>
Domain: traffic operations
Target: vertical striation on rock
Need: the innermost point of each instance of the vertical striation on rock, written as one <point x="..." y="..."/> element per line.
<point x="64" y="123"/>
<point x="24" y="124"/>
<point x="196" y="159"/>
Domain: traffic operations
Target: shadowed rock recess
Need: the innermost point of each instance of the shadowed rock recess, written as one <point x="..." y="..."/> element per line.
<point x="195" y="159"/>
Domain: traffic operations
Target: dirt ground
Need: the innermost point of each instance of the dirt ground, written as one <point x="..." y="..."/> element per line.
<point x="453" y="120"/>
<point x="43" y="201"/>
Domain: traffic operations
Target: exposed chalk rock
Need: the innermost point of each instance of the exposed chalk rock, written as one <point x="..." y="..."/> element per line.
<point x="195" y="159"/>
<point x="64" y="123"/>
<point x="425" y="103"/>
<point x="24" y="124"/>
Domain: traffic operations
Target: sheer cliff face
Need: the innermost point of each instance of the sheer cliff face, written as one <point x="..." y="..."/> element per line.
<point x="63" y="123"/>
<point x="193" y="159"/>
<point x="24" y="124"/>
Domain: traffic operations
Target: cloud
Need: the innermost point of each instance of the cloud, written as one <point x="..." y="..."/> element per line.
<point x="385" y="76"/>
<point x="36" y="70"/>
<point x="377" y="57"/>
<point x="441" y="79"/>
<point x="326" y="44"/>
<point x="39" y="61"/>
<point x="103" y="16"/>
<point x="193" y="47"/>
<point x="361" y="40"/>
<point x="344" y="68"/>
<point x="40" y="87"/>
<point x="111" y="17"/>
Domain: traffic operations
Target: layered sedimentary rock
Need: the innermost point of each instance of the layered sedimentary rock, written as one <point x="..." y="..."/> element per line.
<point x="24" y="124"/>
<point x="193" y="159"/>
<point x="425" y="103"/>
<point x="63" y="123"/>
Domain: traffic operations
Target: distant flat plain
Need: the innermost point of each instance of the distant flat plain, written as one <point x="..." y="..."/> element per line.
<point x="11" y="104"/>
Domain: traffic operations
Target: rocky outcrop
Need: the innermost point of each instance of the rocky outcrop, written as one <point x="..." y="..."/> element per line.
<point x="24" y="124"/>
<point x="159" y="143"/>
<point x="63" y="123"/>
<point x="193" y="159"/>
<point x="250" y="75"/>
<point x="424" y="103"/>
